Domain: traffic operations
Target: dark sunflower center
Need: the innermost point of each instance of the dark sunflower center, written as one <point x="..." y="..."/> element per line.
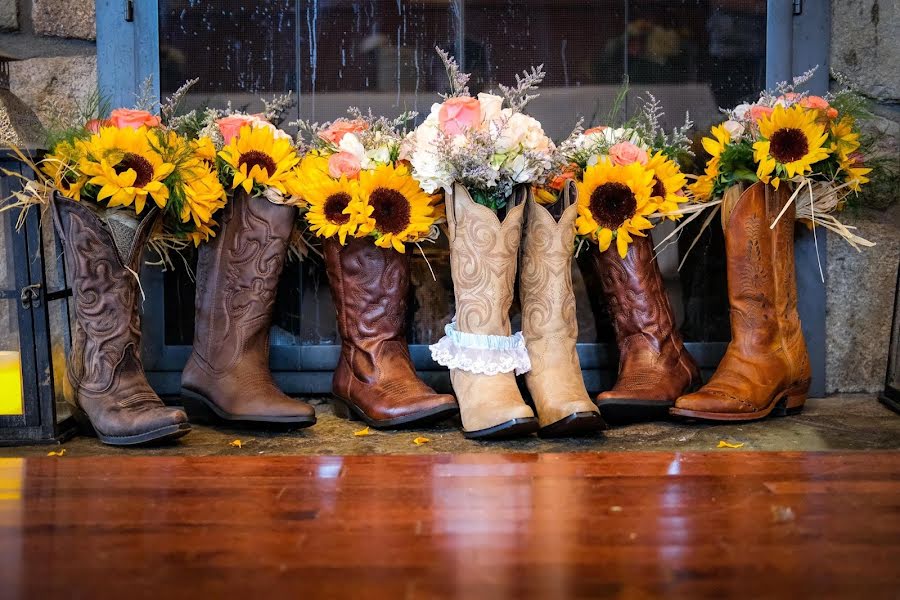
<point x="788" y="144"/>
<point x="392" y="210"/>
<point x="334" y="208"/>
<point x="659" y="188"/>
<point x="140" y="165"/>
<point x="255" y="158"/>
<point x="612" y="203"/>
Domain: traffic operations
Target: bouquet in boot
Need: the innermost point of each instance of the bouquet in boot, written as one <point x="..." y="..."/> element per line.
<point x="359" y="195"/>
<point x="486" y="154"/>
<point x="627" y="178"/>
<point x="227" y="376"/>
<point x="789" y="156"/>
<point x="113" y="183"/>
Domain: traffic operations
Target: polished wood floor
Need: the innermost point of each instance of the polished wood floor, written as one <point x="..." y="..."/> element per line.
<point x="720" y="525"/>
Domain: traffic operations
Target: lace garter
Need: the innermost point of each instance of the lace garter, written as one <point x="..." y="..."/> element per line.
<point x="481" y="354"/>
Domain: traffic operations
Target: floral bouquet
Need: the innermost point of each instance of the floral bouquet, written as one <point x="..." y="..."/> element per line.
<point x="624" y="176"/>
<point x="356" y="183"/>
<point x="810" y="143"/>
<point x="486" y="143"/>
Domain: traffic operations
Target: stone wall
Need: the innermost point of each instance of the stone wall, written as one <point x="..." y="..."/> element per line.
<point x="56" y="40"/>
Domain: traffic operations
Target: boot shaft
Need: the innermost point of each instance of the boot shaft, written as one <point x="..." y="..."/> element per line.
<point x="370" y="289"/>
<point x="102" y="271"/>
<point x="635" y="293"/>
<point x="237" y="278"/>
<point x="483" y="257"/>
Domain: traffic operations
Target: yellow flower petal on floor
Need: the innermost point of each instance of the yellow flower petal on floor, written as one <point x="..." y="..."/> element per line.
<point x="792" y="141"/>
<point x="613" y="203"/>
<point x="668" y="180"/>
<point x="333" y="205"/>
<point x="394" y="208"/>
<point x="259" y="157"/>
<point x="126" y="167"/>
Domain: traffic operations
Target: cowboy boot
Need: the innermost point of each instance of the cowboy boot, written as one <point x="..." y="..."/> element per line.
<point x="375" y="379"/>
<point x="549" y="323"/>
<point x="111" y="392"/>
<point x="227" y="376"/>
<point x="478" y="347"/>
<point x="654" y="366"/>
<point x="766" y="367"/>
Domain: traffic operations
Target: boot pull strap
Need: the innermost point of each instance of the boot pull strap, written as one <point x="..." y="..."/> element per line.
<point x="569" y="196"/>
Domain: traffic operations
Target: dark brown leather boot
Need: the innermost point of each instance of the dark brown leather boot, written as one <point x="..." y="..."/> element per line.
<point x="654" y="366"/>
<point x="111" y="391"/>
<point x="227" y="375"/>
<point x="375" y="379"/>
<point x="766" y="367"/>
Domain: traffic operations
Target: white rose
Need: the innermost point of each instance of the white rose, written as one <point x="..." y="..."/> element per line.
<point x="734" y="129"/>
<point x="491" y="105"/>
<point x="380" y="155"/>
<point x="740" y="111"/>
<point x="350" y="143"/>
<point x="513" y="131"/>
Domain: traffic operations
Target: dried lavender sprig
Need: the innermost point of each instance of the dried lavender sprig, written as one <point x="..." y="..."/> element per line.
<point x="169" y="109"/>
<point x="274" y="110"/>
<point x="518" y="97"/>
<point x="459" y="81"/>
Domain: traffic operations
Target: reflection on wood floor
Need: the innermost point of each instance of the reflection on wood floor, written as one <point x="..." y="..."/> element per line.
<point x="725" y="524"/>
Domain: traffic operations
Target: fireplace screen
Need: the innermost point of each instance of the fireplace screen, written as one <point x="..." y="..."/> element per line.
<point x="693" y="56"/>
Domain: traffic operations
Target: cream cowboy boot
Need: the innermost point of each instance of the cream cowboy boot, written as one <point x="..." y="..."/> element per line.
<point x="479" y="349"/>
<point x="549" y="323"/>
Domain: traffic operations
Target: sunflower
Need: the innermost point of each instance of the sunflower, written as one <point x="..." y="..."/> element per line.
<point x="668" y="181"/>
<point x="124" y="164"/>
<point x="792" y="141"/>
<point x="205" y="150"/>
<point x="334" y="205"/>
<point x="203" y="197"/>
<point x="259" y="157"/>
<point x="613" y="202"/>
<point x="395" y="208"/>
<point x="59" y="165"/>
<point x="715" y="145"/>
<point x="311" y="166"/>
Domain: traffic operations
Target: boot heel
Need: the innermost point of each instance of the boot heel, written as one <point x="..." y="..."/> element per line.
<point x="342" y="409"/>
<point x="84" y="422"/>
<point x="195" y="407"/>
<point x="792" y="402"/>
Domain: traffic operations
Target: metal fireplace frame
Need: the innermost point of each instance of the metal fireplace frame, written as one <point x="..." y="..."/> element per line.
<point x="128" y="53"/>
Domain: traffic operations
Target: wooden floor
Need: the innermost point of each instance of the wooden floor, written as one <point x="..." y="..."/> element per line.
<point x="721" y="525"/>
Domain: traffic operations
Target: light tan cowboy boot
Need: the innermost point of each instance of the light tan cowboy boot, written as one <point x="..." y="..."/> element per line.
<point x="112" y="395"/>
<point x="549" y="323"/>
<point x="766" y="367"/>
<point x="479" y="349"/>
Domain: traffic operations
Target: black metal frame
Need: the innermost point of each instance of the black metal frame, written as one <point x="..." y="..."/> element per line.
<point x="890" y="397"/>
<point x="39" y="423"/>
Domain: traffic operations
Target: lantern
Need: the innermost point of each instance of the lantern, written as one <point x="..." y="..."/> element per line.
<point x="35" y="326"/>
<point x="891" y="395"/>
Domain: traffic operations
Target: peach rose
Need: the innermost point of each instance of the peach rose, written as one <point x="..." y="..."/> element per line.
<point x="757" y="112"/>
<point x="831" y="113"/>
<point x="94" y="125"/>
<point x="457" y="115"/>
<point x="597" y="129"/>
<point x="559" y="182"/>
<point x="341" y="127"/>
<point x="343" y="164"/>
<point x="231" y="125"/>
<point x="135" y="119"/>
<point x="625" y="153"/>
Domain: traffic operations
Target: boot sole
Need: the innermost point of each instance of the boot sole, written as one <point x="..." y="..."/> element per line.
<point x="201" y="408"/>
<point x="634" y="410"/>
<point x="504" y="431"/>
<point x="778" y="408"/>
<point x="154" y="437"/>
<point x="580" y="423"/>
<point x="344" y="409"/>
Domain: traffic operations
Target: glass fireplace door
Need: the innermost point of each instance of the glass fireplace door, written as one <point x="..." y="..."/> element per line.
<point x="693" y="55"/>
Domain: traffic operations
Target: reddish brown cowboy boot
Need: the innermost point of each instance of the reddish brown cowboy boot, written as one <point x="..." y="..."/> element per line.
<point x="654" y="366"/>
<point x="375" y="379"/>
<point x="111" y="391"/>
<point x="766" y="367"/>
<point x="227" y="375"/>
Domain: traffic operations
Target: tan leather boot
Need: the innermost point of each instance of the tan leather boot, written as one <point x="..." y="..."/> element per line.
<point x="766" y="367"/>
<point x="654" y="366"/>
<point x="111" y="392"/>
<point x="227" y="376"/>
<point x="479" y="349"/>
<point x="375" y="379"/>
<point x="549" y="323"/>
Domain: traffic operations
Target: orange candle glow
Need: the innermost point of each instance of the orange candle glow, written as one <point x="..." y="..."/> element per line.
<point x="11" y="384"/>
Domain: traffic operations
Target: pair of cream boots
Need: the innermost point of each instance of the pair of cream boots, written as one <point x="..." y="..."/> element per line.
<point x="479" y="348"/>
